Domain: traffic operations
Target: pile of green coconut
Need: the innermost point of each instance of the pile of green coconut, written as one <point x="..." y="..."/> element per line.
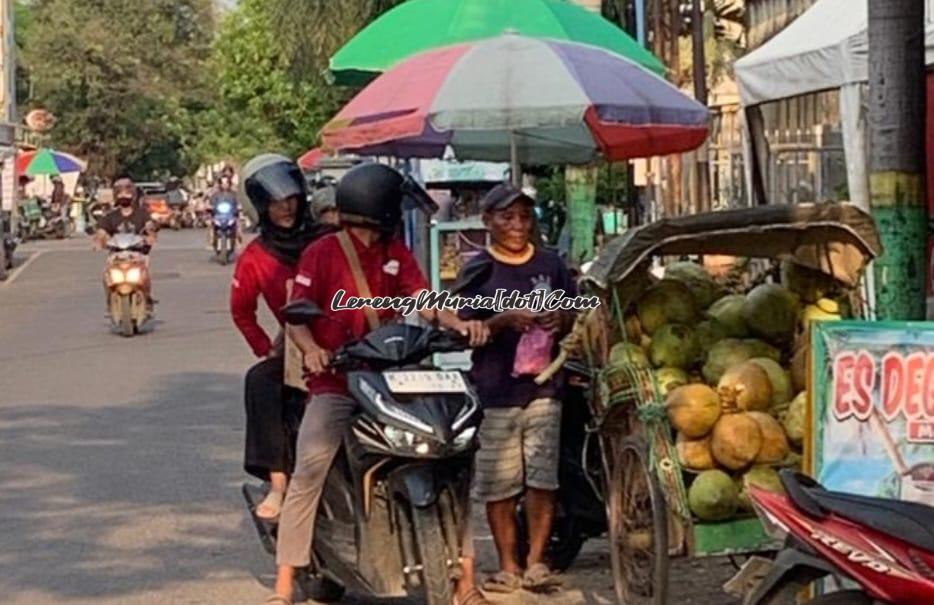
<point x="731" y="369"/>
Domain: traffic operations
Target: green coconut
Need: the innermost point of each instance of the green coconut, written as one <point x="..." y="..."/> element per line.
<point x="794" y="417"/>
<point x="731" y="352"/>
<point x="779" y="377"/>
<point x="713" y="496"/>
<point x="728" y="311"/>
<point x="668" y="301"/>
<point x="771" y="312"/>
<point x="628" y="353"/>
<point x="669" y="379"/>
<point x="709" y="332"/>
<point x="704" y="288"/>
<point x="674" y="346"/>
<point x="764" y="477"/>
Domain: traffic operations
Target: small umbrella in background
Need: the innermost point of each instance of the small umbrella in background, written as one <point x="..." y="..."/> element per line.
<point x="519" y="99"/>
<point x="311" y="159"/>
<point x="419" y="25"/>
<point x="48" y="162"/>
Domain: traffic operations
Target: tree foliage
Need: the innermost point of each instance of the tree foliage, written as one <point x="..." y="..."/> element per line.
<point x="125" y="79"/>
<point x="260" y="103"/>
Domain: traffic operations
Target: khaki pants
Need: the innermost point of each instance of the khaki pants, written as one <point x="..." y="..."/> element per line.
<point x="326" y="418"/>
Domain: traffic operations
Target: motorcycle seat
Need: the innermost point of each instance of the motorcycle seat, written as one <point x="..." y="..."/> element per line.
<point x="911" y="522"/>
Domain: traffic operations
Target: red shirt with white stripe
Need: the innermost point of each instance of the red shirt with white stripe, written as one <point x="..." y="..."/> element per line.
<point x="390" y="270"/>
<point x="258" y="273"/>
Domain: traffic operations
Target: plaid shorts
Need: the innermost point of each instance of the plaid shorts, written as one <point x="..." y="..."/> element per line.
<point x="519" y="448"/>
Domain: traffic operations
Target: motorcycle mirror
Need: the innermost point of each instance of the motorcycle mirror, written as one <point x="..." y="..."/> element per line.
<point x="415" y="197"/>
<point x="301" y="312"/>
<point x="473" y="275"/>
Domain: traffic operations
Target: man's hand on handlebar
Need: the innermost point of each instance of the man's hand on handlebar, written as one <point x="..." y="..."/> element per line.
<point x="477" y="332"/>
<point x="317" y="360"/>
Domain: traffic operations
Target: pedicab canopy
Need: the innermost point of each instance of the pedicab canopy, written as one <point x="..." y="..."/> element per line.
<point x="838" y="239"/>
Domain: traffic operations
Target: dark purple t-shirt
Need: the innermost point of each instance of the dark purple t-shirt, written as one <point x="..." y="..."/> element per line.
<point x="492" y="364"/>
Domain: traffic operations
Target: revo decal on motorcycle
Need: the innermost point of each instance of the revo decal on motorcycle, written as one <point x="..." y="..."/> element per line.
<point x="854" y="554"/>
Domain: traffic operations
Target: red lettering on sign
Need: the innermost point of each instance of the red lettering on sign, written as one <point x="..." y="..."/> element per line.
<point x="914" y="379"/>
<point x="928" y="392"/>
<point x="893" y="385"/>
<point x="854" y="378"/>
<point x="920" y="431"/>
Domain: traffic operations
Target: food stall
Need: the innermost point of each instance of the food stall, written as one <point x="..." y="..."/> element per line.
<point x="700" y="377"/>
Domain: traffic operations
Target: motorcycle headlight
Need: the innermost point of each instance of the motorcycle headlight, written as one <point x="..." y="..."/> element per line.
<point x="133" y="275"/>
<point x="223" y="208"/>
<point x="408" y="441"/>
<point x="391" y="410"/>
<point x="117" y="276"/>
<point x="465" y="438"/>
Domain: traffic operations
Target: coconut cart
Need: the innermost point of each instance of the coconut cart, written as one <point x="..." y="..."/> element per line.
<point x="644" y="485"/>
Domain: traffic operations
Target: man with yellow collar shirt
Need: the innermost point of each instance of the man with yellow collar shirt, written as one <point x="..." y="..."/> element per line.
<point x="520" y="433"/>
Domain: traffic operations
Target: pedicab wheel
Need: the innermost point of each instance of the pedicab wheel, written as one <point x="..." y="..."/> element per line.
<point x="638" y="526"/>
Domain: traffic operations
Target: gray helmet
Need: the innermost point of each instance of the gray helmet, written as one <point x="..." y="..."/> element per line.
<point x="269" y="177"/>
<point x="322" y="200"/>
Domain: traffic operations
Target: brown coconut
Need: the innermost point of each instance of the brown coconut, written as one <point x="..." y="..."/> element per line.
<point x="745" y="387"/>
<point x="695" y="454"/>
<point x="736" y="440"/>
<point x="693" y="409"/>
<point x="799" y="367"/>
<point x="774" y="447"/>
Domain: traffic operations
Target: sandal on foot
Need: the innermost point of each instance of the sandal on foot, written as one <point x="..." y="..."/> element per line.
<point x="503" y="582"/>
<point x="473" y="597"/>
<point x="277" y="599"/>
<point x="272" y="502"/>
<point x="538" y="578"/>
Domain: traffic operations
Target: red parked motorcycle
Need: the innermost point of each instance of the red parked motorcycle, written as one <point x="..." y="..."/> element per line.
<point x="884" y="546"/>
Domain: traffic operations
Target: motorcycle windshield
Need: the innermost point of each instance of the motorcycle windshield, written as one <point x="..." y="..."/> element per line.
<point x="400" y="345"/>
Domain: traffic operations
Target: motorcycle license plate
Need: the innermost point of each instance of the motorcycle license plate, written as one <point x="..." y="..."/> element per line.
<point x="428" y="381"/>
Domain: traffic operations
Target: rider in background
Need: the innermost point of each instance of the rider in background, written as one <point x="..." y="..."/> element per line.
<point x="276" y="187"/>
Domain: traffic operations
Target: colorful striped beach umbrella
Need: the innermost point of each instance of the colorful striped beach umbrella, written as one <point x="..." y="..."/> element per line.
<point x="520" y="99"/>
<point x="47" y="162"/>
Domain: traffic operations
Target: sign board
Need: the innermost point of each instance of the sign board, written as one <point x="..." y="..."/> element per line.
<point x="873" y="408"/>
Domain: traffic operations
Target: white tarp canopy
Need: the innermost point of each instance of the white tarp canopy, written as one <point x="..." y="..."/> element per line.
<point x="825" y="48"/>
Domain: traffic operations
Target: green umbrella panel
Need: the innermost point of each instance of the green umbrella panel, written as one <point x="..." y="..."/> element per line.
<point x="419" y="25"/>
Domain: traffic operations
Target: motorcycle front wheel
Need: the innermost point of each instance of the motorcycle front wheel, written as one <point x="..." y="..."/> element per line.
<point x="126" y="317"/>
<point x="432" y="549"/>
<point x="319" y="588"/>
<point x="223" y="255"/>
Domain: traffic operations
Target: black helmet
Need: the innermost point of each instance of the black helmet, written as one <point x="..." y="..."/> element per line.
<point x="371" y="195"/>
<point x="269" y="177"/>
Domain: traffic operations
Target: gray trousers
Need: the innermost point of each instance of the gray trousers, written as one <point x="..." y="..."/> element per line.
<point x="326" y="418"/>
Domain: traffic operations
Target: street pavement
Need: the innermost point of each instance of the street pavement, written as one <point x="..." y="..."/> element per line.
<point x="121" y="458"/>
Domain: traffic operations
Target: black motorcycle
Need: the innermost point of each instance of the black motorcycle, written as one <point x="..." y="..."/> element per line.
<point x="225" y="223"/>
<point x="394" y="505"/>
<point x="580" y="513"/>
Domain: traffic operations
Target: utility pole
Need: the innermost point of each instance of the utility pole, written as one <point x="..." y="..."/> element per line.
<point x="699" y="64"/>
<point x="896" y="155"/>
<point x="8" y="188"/>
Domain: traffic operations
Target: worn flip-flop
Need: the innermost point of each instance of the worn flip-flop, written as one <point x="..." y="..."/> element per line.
<point x="277" y="599"/>
<point x="272" y="503"/>
<point x="503" y="582"/>
<point x="538" y="578"/>
<point x="473" y="597"/>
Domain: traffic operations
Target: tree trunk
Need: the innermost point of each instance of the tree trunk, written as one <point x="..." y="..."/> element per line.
<point x="896" y="129"/>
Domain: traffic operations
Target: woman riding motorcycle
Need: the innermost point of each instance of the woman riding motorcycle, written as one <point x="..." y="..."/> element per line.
<point x="369" y="200"/>
<point x="275" y="186"/>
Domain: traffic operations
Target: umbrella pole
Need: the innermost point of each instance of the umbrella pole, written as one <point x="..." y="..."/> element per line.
<point x="515" y="168"/>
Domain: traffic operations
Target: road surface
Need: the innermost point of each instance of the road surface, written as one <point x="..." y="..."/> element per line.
<point x="122" y="457"/>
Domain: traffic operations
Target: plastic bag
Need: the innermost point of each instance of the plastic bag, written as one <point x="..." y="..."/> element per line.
<point x="533" y="353"/>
